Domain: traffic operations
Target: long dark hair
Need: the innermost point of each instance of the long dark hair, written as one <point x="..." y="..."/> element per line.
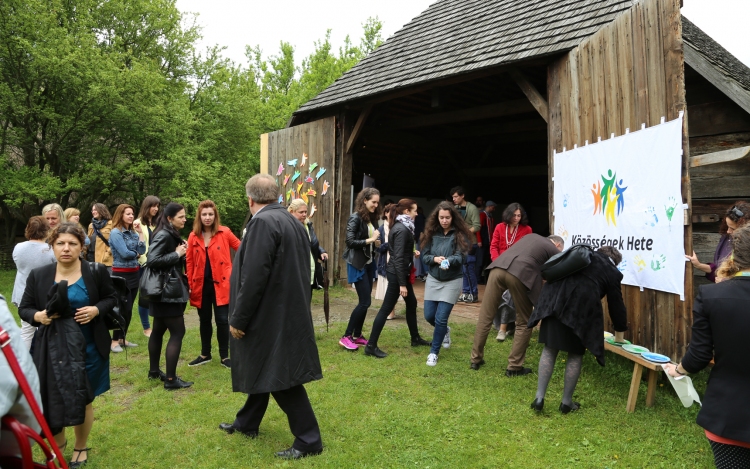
<point x="510" y="210"/>
<point x="733" y="214"/>
<point x="432" y="226"/>
<point x="359" y="205"/>
<point x="398" y="209"/>
<point x="170" y="211"/>
<point x="145" y="214"/>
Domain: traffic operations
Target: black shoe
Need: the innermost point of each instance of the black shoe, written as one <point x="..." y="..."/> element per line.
<point x="230" y="428"/>
<point x="176" y="383"/>
<point x="157" y="375"/>
<point x="475" y="366"/>
<point x="565" y="409"/>
<point x="474" y="299"/>
<point x="538" y="405"/>
<point x="293" y="453"/>
<point x="226" y="363"/>
<point x="521" y="372"/>
<point x="200" y="361"/>
<point x="419" y="341"/>
<point x="76" y="464"/>
<point x="372" y="350"/>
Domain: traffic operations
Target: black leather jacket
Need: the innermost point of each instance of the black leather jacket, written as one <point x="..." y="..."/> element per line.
<point x="162" y="257"/>
<point x="401" y="249"/>
<point x="357" y="251"/>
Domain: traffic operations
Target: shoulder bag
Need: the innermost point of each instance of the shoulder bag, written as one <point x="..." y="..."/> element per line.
<point x="113" y="319"/>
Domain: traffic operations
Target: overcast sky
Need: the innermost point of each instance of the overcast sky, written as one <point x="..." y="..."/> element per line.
<point x="238" y="23"/>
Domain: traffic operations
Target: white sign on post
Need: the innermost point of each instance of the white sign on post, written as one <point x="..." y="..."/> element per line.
<point x="626" y="192"/>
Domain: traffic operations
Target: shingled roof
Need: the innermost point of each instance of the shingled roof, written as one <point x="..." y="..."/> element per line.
<point x="453" y="37"/>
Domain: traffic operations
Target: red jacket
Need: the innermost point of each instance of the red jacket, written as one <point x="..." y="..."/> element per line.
<point x="221" y="264"/>
<point x="500" y="244"/>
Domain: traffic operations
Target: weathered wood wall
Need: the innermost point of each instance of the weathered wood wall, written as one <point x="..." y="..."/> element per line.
<point x="318" y="140"/>
<point x="631" y="72"/>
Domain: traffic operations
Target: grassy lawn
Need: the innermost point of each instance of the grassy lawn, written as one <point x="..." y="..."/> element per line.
<point x="395" y="412"/>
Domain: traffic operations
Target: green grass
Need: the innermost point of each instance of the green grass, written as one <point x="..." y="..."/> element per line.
<point x="397" y="413"/>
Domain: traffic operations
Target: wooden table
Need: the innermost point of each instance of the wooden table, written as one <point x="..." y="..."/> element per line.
<point x="640" y="364"/>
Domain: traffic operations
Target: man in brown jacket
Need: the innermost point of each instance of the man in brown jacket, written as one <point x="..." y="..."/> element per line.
<point x="519" y="270"/>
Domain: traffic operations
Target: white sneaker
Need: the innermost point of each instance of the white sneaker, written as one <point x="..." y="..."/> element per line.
<point x="447" y="339"/>
<point x="432" y="359"/>
<point x="501" y="335"/>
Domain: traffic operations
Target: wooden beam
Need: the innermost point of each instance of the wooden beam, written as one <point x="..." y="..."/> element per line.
<point x="507" y="171"/>
<point x="507" y="108"/>
<point x="358" y="128"/>
<point x="728" y="86"/>
<point x="264" y="154"/>
<point x="720" y="157"/>
<point x="717" y="118"/>
<point x="536" y="99"/>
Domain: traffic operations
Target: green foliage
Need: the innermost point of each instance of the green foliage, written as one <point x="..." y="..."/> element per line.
<point x="109" y="101"/>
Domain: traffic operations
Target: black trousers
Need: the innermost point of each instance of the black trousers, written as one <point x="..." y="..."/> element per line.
<point x="295" y="404"/>
<point x="221" y="313"/>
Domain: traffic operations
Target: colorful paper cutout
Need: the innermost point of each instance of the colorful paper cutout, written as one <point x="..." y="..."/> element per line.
<point x="313" y="166"/>
<point x="299" y="188"/>
<point x="286" y="178"/>
<point x="292" y="162"/>
<point x="325" y="188"/>
<point x="281" y="198"/>
<point x="304" y="197"/>
<point x="289" y="195"/>
<point x="309" y="179"/>
<point x="296" y="175"/>
<point x="312" y="210"/>
<point x="280" y="170"/>
<point x="304" y="158"/>
<point x="311" y="192"/>
<point x="321" y="172"/>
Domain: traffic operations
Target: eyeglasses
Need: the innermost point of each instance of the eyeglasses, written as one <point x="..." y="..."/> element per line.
<point x="735" y="213"/>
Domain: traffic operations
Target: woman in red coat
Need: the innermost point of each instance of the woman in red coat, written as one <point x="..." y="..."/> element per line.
<point x="209" y="281"/>
<point x="515" y="225"/>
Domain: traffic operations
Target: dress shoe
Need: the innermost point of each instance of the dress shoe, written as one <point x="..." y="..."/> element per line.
<point x="538" y="404"/>
<point x="230" y="428"/>
<point x="293" y="453"/>
<point x="176" y="383"/>
<point x="475" y="366"/>
<point x="566" y="409"/>
<point x="521" y="372"/>
<point x="416" y="342"/>
<point x="157" y="375"/>
<point x="374" y="351"/>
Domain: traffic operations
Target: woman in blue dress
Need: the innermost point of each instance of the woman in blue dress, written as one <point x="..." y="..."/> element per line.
<point x="68" y="301"/>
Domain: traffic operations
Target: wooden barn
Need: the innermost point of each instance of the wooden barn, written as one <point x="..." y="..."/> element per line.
<point x="481" y="93"/>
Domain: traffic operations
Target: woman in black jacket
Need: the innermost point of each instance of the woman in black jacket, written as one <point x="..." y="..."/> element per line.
<point x="298" y="209"/>
<point x="67" y="301"/>
<point x="398" y="270"/>
<point x="361" y="235"/>
<point x="573" y="320"/>
<point x="166" y="254"/>
<point x="721" y="327"/>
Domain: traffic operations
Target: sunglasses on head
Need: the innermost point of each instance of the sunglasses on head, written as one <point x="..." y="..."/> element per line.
<point x="735" y="213"/>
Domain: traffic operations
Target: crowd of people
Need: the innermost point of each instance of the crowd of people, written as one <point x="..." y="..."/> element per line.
<point x="75" y="290"/>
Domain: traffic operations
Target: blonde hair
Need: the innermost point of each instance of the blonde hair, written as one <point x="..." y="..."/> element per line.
<point x="71" y="212"/>
<point x="295" y="205"/>
<point x="57" y="208"/>
<point x="740" y="258"/>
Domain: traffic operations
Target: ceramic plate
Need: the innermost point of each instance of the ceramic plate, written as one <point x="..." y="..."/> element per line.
<point x="611" y="340"/>
<point x="634" y="348"/>
<point x="608" y="335"/>
<point x="655" y="357"/>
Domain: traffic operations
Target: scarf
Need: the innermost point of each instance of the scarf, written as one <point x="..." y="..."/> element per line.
<point x="100" y="223"/>
<point x="407" y="221"/>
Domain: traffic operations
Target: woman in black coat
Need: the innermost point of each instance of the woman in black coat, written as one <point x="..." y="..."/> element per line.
<point x="298" y="209"/>
<point x="573" y="320"/>
<point x="166" y="254"/>
<point x="721" y="327"/>
<point x="398" y="270"/>
<point x="67" y="301"/>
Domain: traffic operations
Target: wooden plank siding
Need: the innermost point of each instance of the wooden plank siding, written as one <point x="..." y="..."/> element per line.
<point x="627" y="74"/>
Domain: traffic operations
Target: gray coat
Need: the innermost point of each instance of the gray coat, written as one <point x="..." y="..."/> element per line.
<point x="269" y="299"/>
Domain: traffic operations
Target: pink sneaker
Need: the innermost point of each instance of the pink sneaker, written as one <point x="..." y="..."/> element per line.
<point x="361" y="341"/>
<point x="348" y="343"/>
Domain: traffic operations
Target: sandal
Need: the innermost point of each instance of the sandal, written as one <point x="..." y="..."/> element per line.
<point x="76" y="464"/>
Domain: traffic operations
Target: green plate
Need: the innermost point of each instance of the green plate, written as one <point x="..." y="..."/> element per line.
<point x="634" y="348"/>
<point x="611" y="340"/>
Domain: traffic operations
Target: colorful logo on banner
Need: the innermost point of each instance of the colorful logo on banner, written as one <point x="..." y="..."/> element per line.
<point x="609" y="199"/>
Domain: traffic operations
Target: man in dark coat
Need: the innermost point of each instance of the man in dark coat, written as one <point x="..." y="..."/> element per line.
<point x="274" y="350"/>
<point x="519" y="270"/>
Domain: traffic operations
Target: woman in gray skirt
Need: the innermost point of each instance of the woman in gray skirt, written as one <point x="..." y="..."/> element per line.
<point x="445" y="243"/>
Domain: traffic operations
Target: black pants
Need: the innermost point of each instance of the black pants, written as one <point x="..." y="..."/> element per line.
<point x="206" y="326"/>
<point x="389" y="302"/>
<point x="364" y="293"/>
<point x="126" y="308"/>
<point x="295" y="404"/>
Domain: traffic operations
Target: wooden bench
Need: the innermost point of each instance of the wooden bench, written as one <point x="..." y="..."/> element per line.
<point x="635" y="382"/>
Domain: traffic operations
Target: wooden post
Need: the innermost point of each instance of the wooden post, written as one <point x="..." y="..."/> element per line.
<point x="264" y="154"/>
<point x="537" y="100"/>
<point x="651" y="393"/>
<point x="357" y="128"/>
<point x="635" y="383"/>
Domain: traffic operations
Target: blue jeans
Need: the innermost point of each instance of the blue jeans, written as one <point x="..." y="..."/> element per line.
<point x="470" y="276"/>
<point x="143" y="313"/>
<point x="418" y="264"/>
<point x="437" y="313"/>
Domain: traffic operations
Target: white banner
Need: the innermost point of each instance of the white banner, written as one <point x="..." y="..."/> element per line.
<point x="625" y="192"/>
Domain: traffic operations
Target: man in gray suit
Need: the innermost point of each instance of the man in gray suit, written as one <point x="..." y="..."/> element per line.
<point x="519" y="270"/>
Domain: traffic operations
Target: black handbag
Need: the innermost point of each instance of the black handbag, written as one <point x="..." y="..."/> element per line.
<point x="151" y="284"/>
<point x="566" y="263"/>
<point x="175" y="287"/>
<point x="113" y="319"/>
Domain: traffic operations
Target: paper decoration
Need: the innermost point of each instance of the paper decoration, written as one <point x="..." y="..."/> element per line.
<point x="286" y="178"/>
<point x="313" y="166"/>
<point x="321" y="172"/>
<point x="296" y="175"/>
<point x="304" y="197"/>
<point x="313" y="208"/>
<point x="289" y="195"/>
<point x="292" y="162"/>
<point x="280" y="170"/>
<point x="325" y="188"/>
<point x="304" y="158"/>
<point x="299" y="188"/>
<point x="311" y="192"/>
<point x="309" y="179"/>
<point x="281" y="198"/>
